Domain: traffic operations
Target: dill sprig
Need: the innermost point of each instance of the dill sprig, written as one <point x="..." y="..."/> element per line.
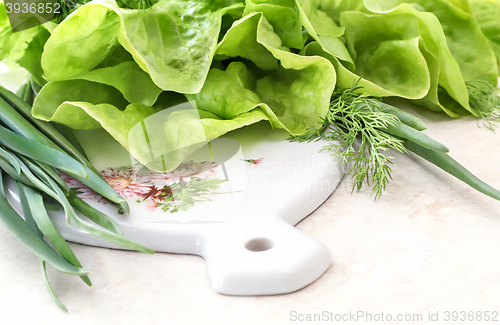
<point x="354" y="116"/>
<point x="483" y="98"/>
<point x="68" y="6"/>
<point x="136" y="4"/>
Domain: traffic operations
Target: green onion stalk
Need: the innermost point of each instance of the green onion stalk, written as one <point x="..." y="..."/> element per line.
<point x="32" y="153"/>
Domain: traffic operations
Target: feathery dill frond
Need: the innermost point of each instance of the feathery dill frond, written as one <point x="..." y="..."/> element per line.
<point x="351" y="116"/>
<point x="483" y="98"/>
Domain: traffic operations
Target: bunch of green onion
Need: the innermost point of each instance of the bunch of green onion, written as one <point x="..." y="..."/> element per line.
<point x="31" y="153"/>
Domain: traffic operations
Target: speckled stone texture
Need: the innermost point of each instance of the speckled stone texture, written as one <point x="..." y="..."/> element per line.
<point x="430" y="244"/>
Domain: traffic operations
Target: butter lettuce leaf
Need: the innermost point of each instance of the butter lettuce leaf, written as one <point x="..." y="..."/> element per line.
<point x="487" y="13"/>
<point x="127" y="77"/>
<point x="446" y="89"/>
<point x="174" y="41"/>
<point x="295" y="89"/>
<point x="283" y="16"/>
<point x="188" y="130"/>
<point x="293" y="95"/>
<point x="333" y="8"/>
<point x="80" y="42"/>
<point x="385" y="50"/>
<point x="228" y="93"/>
<point x="13" y="45"/>
<point x="465" y="40"/>
<point x="32" y="56"/>
<point x="323" y="29"/>
<point x="55" y="102"/>
<point x="345" y="77"/>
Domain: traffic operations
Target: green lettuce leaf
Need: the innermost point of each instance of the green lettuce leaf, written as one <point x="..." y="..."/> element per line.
<point x="385" y="50"/>
<point x="293" y="95"/>
<point x="32" y="56"/>
<point x="174" y="41"/>
<point x="487" y="13"/>
<point x="333" y="8"/>
<point x="282" y="15"/>
<point x="466" y="42"/>
<point x="135" y="84"/>
<point x="56" y="102"/>
<point x="296" y="92"/>
<point x="188" y="130"/>
<point x="228" y="93"/>
<point x="80" y="42"/>
<point x="323" y="29"/>
<point x="446" y="89"/>
<point x="346" y="78"/>
<point x="13" y="45"/>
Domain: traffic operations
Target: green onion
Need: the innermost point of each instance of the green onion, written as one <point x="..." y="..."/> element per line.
<point x="52" y="173"/>
<point x="5" y="166"/>
<point x="37" y="212"/>
<point x="41" y="152"/>
<point x="28" y="217"/>
<point x="44" y="186"/>
<point x="452" y="167"/>
<point x="11" y="117"/>
<point x="17" y="226"/>
<point x="49" y="287"/>
<point x="405" y="118"/>
<point x="403" y="131"/>
<point x="95" y="215"/>
<point x="33" y="159"/>
<point x="48" y="131"/>
<point x="10" y="159"/>
<point x="2" y="190"/>
<point x="31" y="222"/>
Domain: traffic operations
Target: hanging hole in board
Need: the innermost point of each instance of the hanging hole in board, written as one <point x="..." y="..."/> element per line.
<point x="259" y="245"/>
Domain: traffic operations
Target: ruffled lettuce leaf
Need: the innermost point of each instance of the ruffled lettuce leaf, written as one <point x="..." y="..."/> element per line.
<point x="446" y="89"/>
<point x="466" y="42"/>
<point x="228" y="93"/>
<point x="487" y="13"/>
<point x="282" y="15"/>
<point x="13" y="45"/>
<point x="127" y="77"/>
<point x="80" y="42"/>
<point x="333" y="8"/>
<point x="56" y="99"/>
<point x="293" y="95"/>
<point x="173" y="41"/>
<point x="296" y="92"/>
<point x="323" y="29"/>
<point x="346" y="78"/>
<point x="32" y="56"/>
<point x="156" y="137"/>
<point x="188" y="130"/>
<point x="385" y="50"/>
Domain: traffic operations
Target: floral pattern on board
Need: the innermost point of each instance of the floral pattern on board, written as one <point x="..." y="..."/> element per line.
<point x="174" y="191"/>
<point x="254" y="161"/>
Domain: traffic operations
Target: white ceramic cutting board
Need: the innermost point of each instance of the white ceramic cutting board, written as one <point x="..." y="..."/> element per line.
<point x="238" y="202"/>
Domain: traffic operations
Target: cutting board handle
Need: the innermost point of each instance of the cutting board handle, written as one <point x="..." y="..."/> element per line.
<point x="263" y="256"/>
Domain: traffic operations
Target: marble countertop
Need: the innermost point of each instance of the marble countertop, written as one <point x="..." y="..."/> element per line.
<point x="430" y="245"/>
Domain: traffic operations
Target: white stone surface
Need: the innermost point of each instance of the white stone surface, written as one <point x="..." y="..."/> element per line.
<point x="430" y="244"/>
